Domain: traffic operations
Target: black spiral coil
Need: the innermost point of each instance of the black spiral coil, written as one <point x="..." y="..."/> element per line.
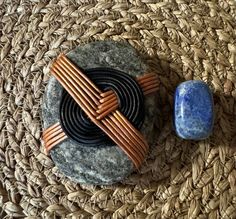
<point x="78" y="126"/>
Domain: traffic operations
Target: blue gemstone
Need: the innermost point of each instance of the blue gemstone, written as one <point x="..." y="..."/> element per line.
<point x="193" y="110"/>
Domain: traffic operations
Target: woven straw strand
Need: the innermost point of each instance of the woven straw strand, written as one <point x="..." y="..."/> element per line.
<point x="182" y="40"/>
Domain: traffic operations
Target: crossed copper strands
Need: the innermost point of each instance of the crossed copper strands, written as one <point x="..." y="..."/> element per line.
<point x="101" y="108"/>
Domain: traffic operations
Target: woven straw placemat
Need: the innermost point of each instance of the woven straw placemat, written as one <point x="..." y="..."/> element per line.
<point x="182" y="40"/>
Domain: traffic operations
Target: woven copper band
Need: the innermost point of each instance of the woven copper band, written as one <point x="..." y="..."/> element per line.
<point x="101" y="108"/>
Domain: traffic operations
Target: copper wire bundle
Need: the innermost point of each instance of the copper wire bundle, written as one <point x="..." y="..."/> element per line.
<point x="101" y="108"/>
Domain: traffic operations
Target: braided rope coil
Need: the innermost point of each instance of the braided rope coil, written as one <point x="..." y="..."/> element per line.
<point x="102" y="108"/>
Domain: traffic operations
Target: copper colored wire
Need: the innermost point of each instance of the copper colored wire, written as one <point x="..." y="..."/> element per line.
<point x="51" y="129"/>
<point x="52" y="136"/>
<point x="84" y="82"/>
<point x="153" y="90"/>
<point x="62" y="138"/>
<point x="101" y="108"/>
<point x="80" y="73"/>
<point x="71" y="88"/>
<point x="130" y="127"/>
<point x="68" y="82"/>
<point x="150" y="86"/>
<point x="146" y="75"/>
<point x="130" y="136"/>
<point x="87" y="91"/>
<point x="112" y="100"/>
<point x="124" y="142"/>
<point x="107" y="107"/>
<point x="104" y="114"/>
<point x="105" y="94"/>
<point x="107" y="98"/>
<point x="75" y="79"/>
<point x="149" y="83"/>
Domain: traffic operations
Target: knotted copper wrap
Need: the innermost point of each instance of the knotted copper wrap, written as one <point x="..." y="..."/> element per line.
<point x="101" y="107"/>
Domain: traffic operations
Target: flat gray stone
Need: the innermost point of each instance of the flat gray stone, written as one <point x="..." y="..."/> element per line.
<point x="100" y="165"/>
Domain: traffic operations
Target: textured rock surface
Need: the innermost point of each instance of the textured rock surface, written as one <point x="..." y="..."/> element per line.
<point x="103" y="165"/>
<point x="193" y="110"/>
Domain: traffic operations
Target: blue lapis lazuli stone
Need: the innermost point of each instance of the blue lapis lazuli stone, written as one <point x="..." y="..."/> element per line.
<point x="193" y="110"/>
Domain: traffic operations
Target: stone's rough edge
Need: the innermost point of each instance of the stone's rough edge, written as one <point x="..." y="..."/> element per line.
<point x="51" y="102"/>
<point x="107" y="57"/>
<point x="85" y="173"/>
<point x="201" y="132"/>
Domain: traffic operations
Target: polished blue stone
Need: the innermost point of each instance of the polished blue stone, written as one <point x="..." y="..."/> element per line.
<point x="193" y="110"/>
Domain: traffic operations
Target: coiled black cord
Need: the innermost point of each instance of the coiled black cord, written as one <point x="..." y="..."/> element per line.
<point x="78" y="126"/>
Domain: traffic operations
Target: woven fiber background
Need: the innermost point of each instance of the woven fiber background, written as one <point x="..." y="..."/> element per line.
<point x="182" y="40"/>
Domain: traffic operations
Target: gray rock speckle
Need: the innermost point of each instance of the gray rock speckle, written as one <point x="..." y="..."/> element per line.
<point x="102" y="165"/>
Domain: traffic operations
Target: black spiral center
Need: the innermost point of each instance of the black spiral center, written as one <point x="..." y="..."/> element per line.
<point x="78" y="126"/>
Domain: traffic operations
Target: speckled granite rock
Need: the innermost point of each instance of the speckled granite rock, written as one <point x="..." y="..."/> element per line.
<point x="103" y="165"/>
